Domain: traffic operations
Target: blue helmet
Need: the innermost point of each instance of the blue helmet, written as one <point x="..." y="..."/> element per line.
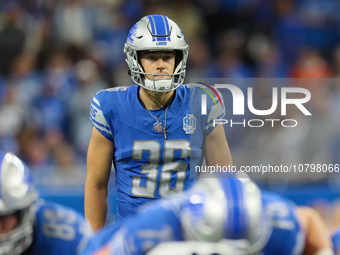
<point x="227" y="211"/>
<point x="156" y="33"/>
<point x="17" y="195"/>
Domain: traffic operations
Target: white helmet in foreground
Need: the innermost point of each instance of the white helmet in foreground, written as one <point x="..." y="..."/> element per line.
<point x="227" y="211"/>
<point x="17" y="197"/>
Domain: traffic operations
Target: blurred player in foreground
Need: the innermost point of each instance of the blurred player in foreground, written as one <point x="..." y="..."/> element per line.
<point x="218" y="216"/>
<point x="32" y="226"/>
<point x="336" y="241"/>
<point x="150" y="130"/>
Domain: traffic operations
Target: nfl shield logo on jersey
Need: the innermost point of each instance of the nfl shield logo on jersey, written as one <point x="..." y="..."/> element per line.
<point x="189" y="123"/>
<point x="158" y="126"/>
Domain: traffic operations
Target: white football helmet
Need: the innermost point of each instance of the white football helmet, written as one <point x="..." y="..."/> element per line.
<point x="227" y="211"/>
<point x="156" y="33"/>
<point x="17" y="195"/>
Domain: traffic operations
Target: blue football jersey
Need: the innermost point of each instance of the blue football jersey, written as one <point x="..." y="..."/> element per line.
<point x="336" y="241"/>
<point x="148" y="166"/>
<point x="287" y="237"/>
<point x="58" y="230"/>
<point x="160" y="222"/>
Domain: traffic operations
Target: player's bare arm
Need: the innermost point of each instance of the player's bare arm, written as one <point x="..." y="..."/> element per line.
<point x="216" y="148"/>
<point x="99" y="160"/>
<point x="317" y="238"/>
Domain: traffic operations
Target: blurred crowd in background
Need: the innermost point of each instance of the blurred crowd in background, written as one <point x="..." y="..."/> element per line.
<point x="56" y="54"/>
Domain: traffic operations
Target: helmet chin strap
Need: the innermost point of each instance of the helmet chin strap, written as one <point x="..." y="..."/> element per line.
<point x="159" y="85"/>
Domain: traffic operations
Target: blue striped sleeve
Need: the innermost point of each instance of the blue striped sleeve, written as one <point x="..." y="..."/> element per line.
<point x="99" y="121"/>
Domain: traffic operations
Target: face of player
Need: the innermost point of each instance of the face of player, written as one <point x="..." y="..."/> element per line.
<point x="8" y="222"/>
<point x="158" y="62"/>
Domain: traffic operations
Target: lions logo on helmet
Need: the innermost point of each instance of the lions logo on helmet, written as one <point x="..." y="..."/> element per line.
<point x="17" y="195"/>
<point x="156" y="33"/>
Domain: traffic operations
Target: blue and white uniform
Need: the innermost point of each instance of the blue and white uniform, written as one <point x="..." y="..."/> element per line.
<point x="42" y="227"/>
<point x="161" y="222"/>
<point x="285" y="226"/>
<point x="148" y="166"/>
<point x="58" y="230"/>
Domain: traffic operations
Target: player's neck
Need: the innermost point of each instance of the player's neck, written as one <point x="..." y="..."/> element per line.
<point x="154" y="100"/>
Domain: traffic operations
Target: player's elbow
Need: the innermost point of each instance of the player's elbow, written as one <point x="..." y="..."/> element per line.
<point x="309" y="217"/>
<point x="93" y="184"/>
<point x="317" y="236"/>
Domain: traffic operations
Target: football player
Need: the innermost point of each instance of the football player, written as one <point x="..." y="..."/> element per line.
<point x="29" y="225"/>
<point x="218" y="216"/>
<point x="154" y="131"/>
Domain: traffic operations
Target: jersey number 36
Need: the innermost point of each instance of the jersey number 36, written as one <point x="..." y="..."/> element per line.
<point x="169" y="166"/>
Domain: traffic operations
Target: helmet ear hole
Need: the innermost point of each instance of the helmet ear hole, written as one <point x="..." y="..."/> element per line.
<point x="178" y="58"/>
